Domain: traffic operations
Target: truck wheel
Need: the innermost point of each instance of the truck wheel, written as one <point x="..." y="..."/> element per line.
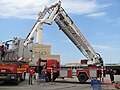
<point x="17" y="81"/>
<point x="82" y="77"/>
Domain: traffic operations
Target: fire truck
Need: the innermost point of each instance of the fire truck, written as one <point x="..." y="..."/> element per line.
<point x="94" y="64"/>
<point x="14" y="62"/>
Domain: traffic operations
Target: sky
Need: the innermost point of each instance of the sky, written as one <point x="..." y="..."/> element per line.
<point x="98" y="20"/>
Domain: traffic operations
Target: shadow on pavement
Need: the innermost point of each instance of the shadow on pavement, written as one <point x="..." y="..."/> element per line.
<point x="71" y="82"/>
<point x="8" y="84"/>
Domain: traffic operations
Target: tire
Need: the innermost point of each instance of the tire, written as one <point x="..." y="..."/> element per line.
<point x="18" y="79"/>
<point x="82" y="77"/>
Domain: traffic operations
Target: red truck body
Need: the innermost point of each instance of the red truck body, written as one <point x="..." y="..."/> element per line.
<point x="13" y="71"/>
<point x="82" y="73"/>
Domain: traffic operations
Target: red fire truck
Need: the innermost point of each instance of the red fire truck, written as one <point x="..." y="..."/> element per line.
<point x="57" y="14"/>
<point x="83" y="73"/>
<point x="12" y="64"/>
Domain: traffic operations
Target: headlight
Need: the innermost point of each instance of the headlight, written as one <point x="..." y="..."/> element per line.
<point x="12" y="77"/>
<point x="3" y="71"/>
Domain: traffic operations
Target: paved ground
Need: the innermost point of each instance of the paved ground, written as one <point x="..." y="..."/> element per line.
<point x="59" y="84"/>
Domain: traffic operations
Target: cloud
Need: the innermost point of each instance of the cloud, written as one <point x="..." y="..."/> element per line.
<point x="21" y="9"/>
<point x="58" y="43"/>
<point x="106" y="5"/>
<point x="79" y="6"/>
<point x="30" y="8"/>
<point x="101" y="46"/>
<point x="105" y="47"/>
<point x="98" y="14"/>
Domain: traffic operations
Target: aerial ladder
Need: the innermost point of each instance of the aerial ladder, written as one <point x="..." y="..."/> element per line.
<point x="55" y="13"/>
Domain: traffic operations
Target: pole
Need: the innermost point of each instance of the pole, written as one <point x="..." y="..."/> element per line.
<point x="102" y="71"/>
<point x="51" y="74"/>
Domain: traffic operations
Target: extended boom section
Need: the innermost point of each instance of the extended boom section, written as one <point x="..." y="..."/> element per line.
<point x="73" y="33"/>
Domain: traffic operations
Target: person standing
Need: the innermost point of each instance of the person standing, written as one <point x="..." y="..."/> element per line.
<point x="112" y="76"/>
<point x="25" y="74"/>
<point x="43" y="72"/>
<point x="2" y="50"/>
<point x="31" y="75"/>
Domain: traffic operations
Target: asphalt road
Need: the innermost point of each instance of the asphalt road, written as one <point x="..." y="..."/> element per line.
<point x="59" y="84"/>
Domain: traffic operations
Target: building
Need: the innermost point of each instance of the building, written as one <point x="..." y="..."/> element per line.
<point x="44" y="52"/>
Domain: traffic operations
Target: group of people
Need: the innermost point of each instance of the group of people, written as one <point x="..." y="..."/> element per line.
<point x="32" y="75"/>
<point x="96" y="84"/>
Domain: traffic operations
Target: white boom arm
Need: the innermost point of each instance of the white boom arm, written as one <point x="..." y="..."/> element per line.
<point x="52" y="11"/>
<point x="56" y="13"/>
<point x="31" y="34"/>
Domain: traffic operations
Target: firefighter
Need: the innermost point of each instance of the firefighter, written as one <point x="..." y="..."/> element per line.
<point x="25" y="74"/>
<point x="112" y="76"/>
<point x="31" y="72"/>
<point x="44" y="72"/>
<point x="2" y="52"/>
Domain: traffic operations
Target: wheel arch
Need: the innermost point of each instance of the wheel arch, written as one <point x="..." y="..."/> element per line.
<point x="82" y="77"/>
<point x="84" y="73"/>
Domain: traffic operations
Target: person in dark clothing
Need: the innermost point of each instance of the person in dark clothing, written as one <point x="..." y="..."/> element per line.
<point x="112" y="76"/>
<point x="2" y="50"/>
<point x="24" y="74"/>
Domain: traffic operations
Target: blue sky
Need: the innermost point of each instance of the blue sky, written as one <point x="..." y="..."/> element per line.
<point x="98" y="20"/>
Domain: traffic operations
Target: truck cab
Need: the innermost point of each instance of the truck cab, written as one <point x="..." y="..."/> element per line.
<point x="51" y="66"/>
